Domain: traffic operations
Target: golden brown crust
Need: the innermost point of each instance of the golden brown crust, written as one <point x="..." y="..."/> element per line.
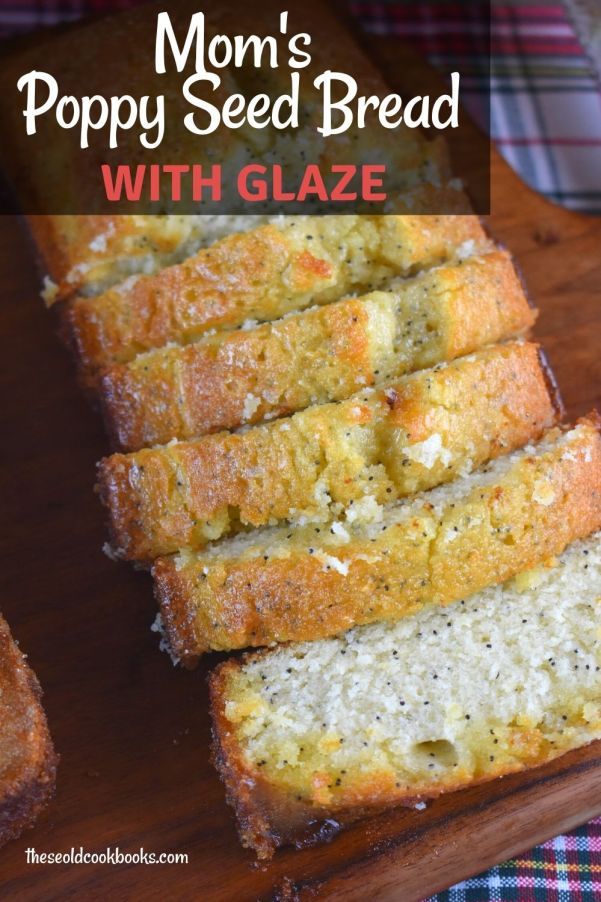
<point x="178" y="614"/>
<point x="553" y="387"/>
<point x="319" y="355"/>
<point x="52" y="254"/>
<point x="87" y="254"/>
<point x="205" y="387"/>
<point x="78" y="251"/>
<point x="266" y="818"/>
<point x="261" y="274"/>
<point x="533" y="511"/>
<point x="27" y="758"/>
<point x="164" y="499"/>
<point x="270" y="814"/>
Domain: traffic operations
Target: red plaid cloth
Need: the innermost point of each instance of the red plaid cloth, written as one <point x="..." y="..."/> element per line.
<point x="545" y="97"/>
<point x="565" y="869"/>
<point x="546" y="118"/>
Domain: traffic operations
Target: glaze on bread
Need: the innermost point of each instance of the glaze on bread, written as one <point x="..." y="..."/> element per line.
<point x="261" y="274"/>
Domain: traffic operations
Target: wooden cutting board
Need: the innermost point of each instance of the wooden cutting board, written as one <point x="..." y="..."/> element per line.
<point x="133" y="732"/>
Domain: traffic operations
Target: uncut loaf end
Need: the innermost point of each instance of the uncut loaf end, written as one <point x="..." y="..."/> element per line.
<point x="384" y="563"/>
<point x="408" y="436"/>
<point x="392" y="714"/>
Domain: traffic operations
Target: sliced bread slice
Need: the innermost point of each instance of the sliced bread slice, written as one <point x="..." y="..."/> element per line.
<point x="384" y="563"/>
<point x="27" y="758"/>
<point x="408" y="436"/>
<point x="90" y="254"/>
<point x="322" y="354"/>
<point x="261" y="274"/>
<point x="392" y="714"/>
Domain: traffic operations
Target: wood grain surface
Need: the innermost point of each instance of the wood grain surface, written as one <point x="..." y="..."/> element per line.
<point x="133" y="732"/>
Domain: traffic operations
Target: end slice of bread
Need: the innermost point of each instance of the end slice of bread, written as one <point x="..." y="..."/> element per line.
<point x="322" y="354"/>
<point x="262" y="274"/>
<point x="408" y="436"/>
<point x="384" y="563"/>
<point x="27" y="758"/>
<point x="392" y="714"/>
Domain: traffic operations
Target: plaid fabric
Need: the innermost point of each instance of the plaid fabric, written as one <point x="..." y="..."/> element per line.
<point x="545" y="100"/>
<point x="545" y="116"/>
<point x="565" y="869"/>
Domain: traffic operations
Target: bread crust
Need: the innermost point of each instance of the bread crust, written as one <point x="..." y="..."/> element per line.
<point x="79" y="252"/>
<point x="87" y="254"/>
<point x="270" y="815"/>
<point x="164" y="499"/>
<point x="27" y="758"/>
<point x="542" y="503"/>
<point x="319" y="355"/>
<point x="183" y="392"/>
<point x="261" y="274"/>
<point x="266" y="818"/>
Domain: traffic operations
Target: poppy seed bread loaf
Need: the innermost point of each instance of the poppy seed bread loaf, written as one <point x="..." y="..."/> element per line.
<point x="392" y="516"/>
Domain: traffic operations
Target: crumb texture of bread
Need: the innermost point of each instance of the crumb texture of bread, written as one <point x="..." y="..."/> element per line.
<point x="27" y="758"/>
<point x="322" y="354"/>
<point x="261" y="274"/>
<point x="385" y="562"/>
<point x="408" y="436"/>
<point x="388" y="714"/>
